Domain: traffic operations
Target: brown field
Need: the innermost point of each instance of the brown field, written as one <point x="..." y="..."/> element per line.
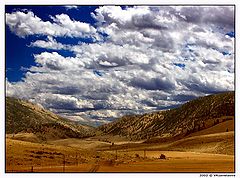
<point x="209" y="150"/>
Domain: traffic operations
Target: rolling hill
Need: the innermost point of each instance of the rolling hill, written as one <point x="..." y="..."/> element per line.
<point x="31" y="122"/>
<point x="196" y="137"/>
<point x="191" y="117"/>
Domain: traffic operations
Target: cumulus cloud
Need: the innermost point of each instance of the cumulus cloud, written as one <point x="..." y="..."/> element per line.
<point x="109" y="54"/>
<point x="214" y="16"/>
<point x="151" y="58"/>
<point x="27" y="23"/>
<point x="50" y="43"/>
<point x="54" y="61"/>
<point x="66" y="102"/>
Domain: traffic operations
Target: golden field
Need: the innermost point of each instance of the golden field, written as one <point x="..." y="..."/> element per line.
<point x="209" y="150"/>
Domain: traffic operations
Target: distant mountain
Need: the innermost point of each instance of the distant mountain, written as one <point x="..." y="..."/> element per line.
<point x="23" y="117"/>
<point x="193" y="116"/>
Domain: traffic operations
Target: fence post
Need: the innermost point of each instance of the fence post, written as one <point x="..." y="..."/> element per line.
<point x="32" y="169"/>
<point x="64" y="163"/>
<point x="77" y="159"/>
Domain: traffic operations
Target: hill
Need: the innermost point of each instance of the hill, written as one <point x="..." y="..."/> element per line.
<point x="191" y="117"/>
<point x="33" y="123"/>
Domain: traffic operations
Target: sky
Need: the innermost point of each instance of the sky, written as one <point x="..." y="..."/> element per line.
<point x="93" y="64"/>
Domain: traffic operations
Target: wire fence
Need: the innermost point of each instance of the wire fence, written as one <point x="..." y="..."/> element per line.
<point x="42" y="161"/>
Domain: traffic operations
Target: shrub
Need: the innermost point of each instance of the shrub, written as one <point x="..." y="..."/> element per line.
<point x="162" y="156"/>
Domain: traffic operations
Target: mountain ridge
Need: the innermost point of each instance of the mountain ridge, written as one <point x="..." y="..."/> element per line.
<point x="195" y="115"/>
<point x="25" y="117"/>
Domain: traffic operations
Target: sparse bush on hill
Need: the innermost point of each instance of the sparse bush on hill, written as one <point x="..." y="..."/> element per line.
<point x="192" y="116"/>
<point x="162" y="156"/>
<point x="22" y="116"/>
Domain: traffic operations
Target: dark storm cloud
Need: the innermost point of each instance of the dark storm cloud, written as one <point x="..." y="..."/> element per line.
<point x="221" y="16"/>
<point x="153" y="84"/>
<point x="146" y="21"/>
<point x="164" y="42"/>
<point x="182" y="97"/>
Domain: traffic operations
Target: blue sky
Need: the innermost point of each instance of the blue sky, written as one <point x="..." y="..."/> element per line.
<point x="96" y="63"/>
<point x="14" y="65"/>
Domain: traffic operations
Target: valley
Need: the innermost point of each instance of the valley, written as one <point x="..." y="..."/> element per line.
<point x="200" y="145"/>
<point x="201" y="153"/>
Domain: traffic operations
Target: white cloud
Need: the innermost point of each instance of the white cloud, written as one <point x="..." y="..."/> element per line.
<point x="54" y="61"/>
<point x="66" y="102"/>
<point x="72" y="27"/>
<point x="26" y="23"/>
<point x="71" y="7"/>
<point x="50" y="43"/>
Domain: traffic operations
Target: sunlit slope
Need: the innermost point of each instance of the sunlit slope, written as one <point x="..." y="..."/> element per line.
<point x="193" y="116"/>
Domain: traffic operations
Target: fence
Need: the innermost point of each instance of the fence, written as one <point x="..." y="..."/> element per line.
<point x="43" y="163"/>
<point x="69" y="163"/>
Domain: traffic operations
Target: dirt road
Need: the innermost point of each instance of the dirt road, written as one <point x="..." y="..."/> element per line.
<point x="94" y="168"/>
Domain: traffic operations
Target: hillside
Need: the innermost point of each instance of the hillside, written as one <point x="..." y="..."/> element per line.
<point x="197" y="137"/>
<point x="25" y="119"/>
<point x="193" y="116"/>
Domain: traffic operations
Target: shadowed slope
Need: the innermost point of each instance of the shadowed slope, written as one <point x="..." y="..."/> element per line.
<point x="29" y="120"/>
